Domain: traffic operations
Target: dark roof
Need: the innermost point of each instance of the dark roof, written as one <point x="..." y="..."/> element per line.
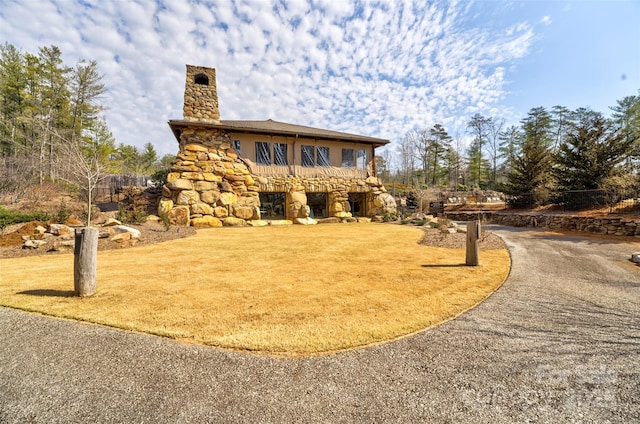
<point x="271" y="127"/>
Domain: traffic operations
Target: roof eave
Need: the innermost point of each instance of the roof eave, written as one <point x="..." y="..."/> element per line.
<point x="175" y="124"/>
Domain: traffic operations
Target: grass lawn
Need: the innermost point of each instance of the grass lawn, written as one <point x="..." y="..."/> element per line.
<point x="286" y="291"/>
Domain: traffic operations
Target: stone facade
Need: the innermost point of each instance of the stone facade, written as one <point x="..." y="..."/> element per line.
<point x="210" y="185"/>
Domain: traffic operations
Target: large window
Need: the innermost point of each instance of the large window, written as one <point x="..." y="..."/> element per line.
<point x="308" y="156"/>
<point x="347" y="158"/>
<point x="361" y="159"/>
<point x="280" y="154"/>
<point x="263" y="153"/>
<point x="323" y="156"/>
<point x="312" y="156"/>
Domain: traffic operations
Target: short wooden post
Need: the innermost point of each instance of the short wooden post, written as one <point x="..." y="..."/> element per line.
<point x="85" y="261"/>
<point x="473" y="249"/>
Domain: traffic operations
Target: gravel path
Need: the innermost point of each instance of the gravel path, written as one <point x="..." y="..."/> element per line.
<point x="559" y="342"/>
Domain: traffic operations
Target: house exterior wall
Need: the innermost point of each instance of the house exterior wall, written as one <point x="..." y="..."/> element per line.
<point x="211" y="185"/>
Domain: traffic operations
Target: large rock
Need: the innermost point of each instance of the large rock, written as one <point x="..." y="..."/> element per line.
<point x="257" y="223"/>
<point x="210" y="197"/>
<point x="279" y="222"/>
<point x="234" y="222"/>
<point x="120" y="229"/>
<point x="206" y="221"/>
<point x="227" y="198"/>
<point x="635" y="257"/>
<point x="244" y="212"/>
<point x="180" y="184"/>
<point x="187" y="197"/>
<point x="112" y="222"/>
<point x="164" y="207"/>
<point x="33" y="244"/>
<point x="60" y="229"/>
<point x="179" y="216"/>
<point x="221" y="212"/>
<point x="306" y="221"/>
<point x="201" y="208"/>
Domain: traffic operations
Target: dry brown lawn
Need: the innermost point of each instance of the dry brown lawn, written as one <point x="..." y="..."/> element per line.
<point x="286" y="291"/>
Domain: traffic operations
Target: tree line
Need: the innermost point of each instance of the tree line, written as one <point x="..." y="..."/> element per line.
<point x="52" y="126"/>
<point x="551" y="150"/>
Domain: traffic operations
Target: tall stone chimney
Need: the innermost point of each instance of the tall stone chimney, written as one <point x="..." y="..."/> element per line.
<point x="201" y="95"/>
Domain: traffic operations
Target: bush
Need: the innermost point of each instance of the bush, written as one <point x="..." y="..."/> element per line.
<point x="390" y="217"/>
<point x="133" y="208"/>
<point x="13" y="217"/>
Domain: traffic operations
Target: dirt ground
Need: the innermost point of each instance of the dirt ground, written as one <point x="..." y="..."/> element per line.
<point x="151" y="232"/>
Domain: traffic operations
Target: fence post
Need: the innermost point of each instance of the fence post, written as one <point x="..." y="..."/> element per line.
<point x="85" y="261"/>
<point x="473" y="249"/>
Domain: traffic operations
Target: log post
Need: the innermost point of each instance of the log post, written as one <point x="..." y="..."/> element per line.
<point x="85" y="261"/>
<point x="473" y="249"/>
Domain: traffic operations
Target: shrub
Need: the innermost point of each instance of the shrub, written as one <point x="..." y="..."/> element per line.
<point x="14" y="217"/>
<point x="390" y="217"/>
<point x="133" y="207"/>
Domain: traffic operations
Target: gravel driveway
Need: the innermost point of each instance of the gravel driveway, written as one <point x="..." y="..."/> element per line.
<point x="559" y="342"/>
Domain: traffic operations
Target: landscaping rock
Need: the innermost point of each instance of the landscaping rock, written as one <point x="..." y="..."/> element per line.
<point x="111" y="222"/>
<point x="119" y="229"/>
<point x="206" y="221"/>
<point x="33" y="244"/>
<point x="635" y="257"/>
<point x="232" y="221"/>
<point x="306" y="221"/>
<point x="59" y="229"/>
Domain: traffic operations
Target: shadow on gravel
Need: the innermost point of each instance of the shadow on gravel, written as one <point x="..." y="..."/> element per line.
<point x="444" y="266"/>
<point x="49" y="293"/>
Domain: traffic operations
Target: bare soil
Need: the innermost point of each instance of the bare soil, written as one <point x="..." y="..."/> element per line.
<point x="151" y="232"/>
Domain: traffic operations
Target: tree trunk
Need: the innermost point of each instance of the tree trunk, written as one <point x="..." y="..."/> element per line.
<point x="473" y="249"/>
<point x="85" y="261"/>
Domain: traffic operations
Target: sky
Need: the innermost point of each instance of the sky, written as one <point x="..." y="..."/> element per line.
<point x="374" y="68"/>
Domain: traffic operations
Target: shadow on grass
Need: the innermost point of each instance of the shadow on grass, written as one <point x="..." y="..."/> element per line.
<point x="443" y="266"/>
<point x="49" y="293"/>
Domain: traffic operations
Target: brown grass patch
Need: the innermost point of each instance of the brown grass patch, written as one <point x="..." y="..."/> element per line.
<point x="294" y="290"/>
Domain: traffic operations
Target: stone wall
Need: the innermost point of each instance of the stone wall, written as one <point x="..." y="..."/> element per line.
<point x="209" y="185"/>
<point x="609" y="225"/>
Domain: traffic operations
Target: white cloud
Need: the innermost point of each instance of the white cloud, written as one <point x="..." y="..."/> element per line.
<point x="376" y="69"/>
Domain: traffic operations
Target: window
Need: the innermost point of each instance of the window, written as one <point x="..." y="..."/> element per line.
<point x="357" y="201"/>
<point x="236" y="145"/>
<point x="263" y="153"/>
<point x="272" y="205"/>
<point x="317" y="203"/>
<point x="361" y="159"/>
<point x="347" y="158"/>
<point x="323" y="156"/>
<point x="280" y="154"/>
<point x="201" y="79"/>
<point x="308" y="156"/>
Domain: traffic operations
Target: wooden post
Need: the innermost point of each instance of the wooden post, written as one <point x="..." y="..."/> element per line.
<point x="473" y="249"/>
<point x="84" y="261"/>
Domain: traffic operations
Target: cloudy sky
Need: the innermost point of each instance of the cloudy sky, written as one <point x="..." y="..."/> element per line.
<point x="376" y="68"/>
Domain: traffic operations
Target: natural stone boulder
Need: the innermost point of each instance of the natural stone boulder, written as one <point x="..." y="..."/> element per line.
<point x="306" y="221"/>
<point x="210" y="197"/>
<point x="635" y="257"/>
<point x="187" y="197"/>
<point x="221" y="212"/>
<point x="244" y="212"/>
<point x="39" y="230"/>
<point x="121" y="237"/>
<point x="201" y="208"/>
<point x="179" y="216"/>
<point x="224" y="186"/>
<point x="180" y="184"/>
<point x="120" y="229"/>
<point x="205" y="185"/>
<point x="257" y="223"/>
<point x="206" y="221"/>
<point x="227" y="198"/>
<point x="234" y="222"/>
<point x="363" y="219"/>
<point x="111" y="222"/>
<point x="33" y="244"/>
<point x="164" y="207"/>
<point x="60" y="230"/>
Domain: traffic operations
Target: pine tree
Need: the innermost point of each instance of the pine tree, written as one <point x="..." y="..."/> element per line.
<point x="590" y="153"/>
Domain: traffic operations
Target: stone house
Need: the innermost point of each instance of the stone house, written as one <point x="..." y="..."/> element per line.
<point x="265" y="172"/>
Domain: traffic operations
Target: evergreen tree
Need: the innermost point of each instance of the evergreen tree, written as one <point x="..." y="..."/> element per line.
<point x="626" y="114"/>
<point x="439" y="142"/>
<point x="478" y="127"/>
<point x="531" y="167"/>
<point x="590" y="153"/>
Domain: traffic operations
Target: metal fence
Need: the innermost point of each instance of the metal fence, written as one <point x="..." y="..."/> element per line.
<point x="611" y="201"/>
<point x="111" y="186"/>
